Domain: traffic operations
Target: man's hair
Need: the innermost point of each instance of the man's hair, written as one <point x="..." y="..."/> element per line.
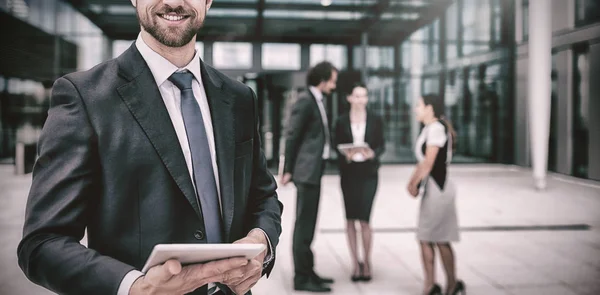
<point x="319" y="73"/>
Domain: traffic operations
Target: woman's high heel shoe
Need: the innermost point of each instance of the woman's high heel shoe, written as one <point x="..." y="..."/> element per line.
<point x="356" y="278"/>
<point x="459" y="288"/>
<point x="363" y="277"/>
<point x="435" y="290"/>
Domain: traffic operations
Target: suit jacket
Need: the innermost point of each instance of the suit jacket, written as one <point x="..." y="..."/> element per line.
<point x="373" y="136"/>
<point x="109" y="161"/>
<point x="305" y="141"/>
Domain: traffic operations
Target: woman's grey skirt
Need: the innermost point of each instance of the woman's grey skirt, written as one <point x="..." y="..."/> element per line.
<point x="437" y="216"/>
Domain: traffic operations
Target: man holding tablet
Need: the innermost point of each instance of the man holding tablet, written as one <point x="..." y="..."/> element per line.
<point x="153" y="147"/>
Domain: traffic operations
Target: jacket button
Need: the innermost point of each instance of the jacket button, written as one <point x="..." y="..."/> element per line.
<point x="199" y="235"/>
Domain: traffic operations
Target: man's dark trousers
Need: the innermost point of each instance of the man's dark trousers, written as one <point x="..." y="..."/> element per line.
<point x="307" y="207"/>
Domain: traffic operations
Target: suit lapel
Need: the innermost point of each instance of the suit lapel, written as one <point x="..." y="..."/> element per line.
<point x="348" y="127"/>
<point x="221" y="110"/>
<point x="142" y="97"/>
<point x="368" y="126"/>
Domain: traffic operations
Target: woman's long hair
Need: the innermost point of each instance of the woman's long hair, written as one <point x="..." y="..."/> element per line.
<point x="435" y="101"/>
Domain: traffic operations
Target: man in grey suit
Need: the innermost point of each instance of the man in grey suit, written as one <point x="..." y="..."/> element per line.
<point x="150" y="148"/>
<point x="306" y="152"/>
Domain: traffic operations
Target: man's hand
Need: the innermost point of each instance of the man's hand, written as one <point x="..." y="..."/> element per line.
<point x="172" y="278"/>
<point x="285" y="178"/>
<point x="253" y="270"/>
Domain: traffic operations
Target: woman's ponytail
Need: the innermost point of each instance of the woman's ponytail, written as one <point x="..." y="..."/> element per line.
<point x="451" y="130"/>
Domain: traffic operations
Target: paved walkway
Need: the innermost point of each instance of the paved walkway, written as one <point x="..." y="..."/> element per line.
<point x="515" y="240"/>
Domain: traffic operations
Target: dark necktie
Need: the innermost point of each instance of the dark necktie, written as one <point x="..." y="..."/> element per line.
<point x="204" y="177"/>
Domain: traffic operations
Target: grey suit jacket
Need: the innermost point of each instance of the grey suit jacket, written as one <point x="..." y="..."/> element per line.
<point x="305" y="140"/>
<point x="110" y="161"/>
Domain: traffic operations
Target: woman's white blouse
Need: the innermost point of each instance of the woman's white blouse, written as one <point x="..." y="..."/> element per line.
<point x="434" y="134"/>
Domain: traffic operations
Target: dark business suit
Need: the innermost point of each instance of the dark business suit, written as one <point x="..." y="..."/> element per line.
<point x="305" y="142"/>
<point x="359" y="179"/>
<point x="110" y="161"/>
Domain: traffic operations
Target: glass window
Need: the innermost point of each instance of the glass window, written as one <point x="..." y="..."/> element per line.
<point x="581" y="98"/>
<point x="200" y="49"/>
<point x="452" y="32"/>
<point x="335" y="54"/>
<point x="314" y="14"/>
<point x="525" y="20"/>
<point x="476" y="22"/>
<point x="119" y="46"/>
<point x="553" y="135"/>
<point x="406" y="54"/>
<point x="496" y="21"/>
<point x="277" y="56"/>
<point x="232" y="55"/>
<point x="65" y="25"/>
<point x="377" y="57"/>
<point x="225" y="12"/>
<point x="587" y="12"/>
<point x="433" y="43"/>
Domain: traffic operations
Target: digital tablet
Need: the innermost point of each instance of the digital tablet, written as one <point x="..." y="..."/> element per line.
<point x="346" y="147"/>
<point x="200" y="253"/>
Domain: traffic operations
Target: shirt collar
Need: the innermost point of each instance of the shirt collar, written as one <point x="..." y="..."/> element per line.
<point x="316" y="92"/>
<point x="161" y="68"/>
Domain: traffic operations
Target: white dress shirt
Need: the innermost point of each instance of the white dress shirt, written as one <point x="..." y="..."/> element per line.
<point x="358" y="137"/>
<point x="319" y="97"/>
<point x="161" y="70"/>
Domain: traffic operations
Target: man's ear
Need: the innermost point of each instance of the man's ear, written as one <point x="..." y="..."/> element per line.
<point x="134" y="3"/>
<point x="208" y="4"/>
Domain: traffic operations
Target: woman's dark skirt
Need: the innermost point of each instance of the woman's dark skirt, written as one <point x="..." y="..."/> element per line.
<point x="359" y="192"/>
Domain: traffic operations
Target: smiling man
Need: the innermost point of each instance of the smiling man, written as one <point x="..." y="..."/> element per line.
<point x="152" y="147"/>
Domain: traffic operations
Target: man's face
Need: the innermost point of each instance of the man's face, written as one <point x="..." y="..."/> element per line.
<point x="174" y="23"/>
<point x="330" y="84"/>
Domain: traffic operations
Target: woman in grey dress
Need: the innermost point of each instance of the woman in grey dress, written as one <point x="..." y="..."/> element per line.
<point x="438" y="224"/>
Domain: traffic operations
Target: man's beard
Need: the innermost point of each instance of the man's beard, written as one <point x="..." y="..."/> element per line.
<point x="171" y="36"/>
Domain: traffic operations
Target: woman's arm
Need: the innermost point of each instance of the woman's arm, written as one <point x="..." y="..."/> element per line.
<point x="423" y="168"/>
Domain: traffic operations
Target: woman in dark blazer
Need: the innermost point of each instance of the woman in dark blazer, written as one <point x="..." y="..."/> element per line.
<point x="358" y="171"/>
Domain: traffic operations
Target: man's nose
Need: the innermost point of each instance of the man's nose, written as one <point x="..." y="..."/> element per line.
<point x="174" y="3"/>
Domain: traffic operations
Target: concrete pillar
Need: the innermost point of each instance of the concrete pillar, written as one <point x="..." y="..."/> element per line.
<point x="539" y="90"/>
<point x="594" y="113"/>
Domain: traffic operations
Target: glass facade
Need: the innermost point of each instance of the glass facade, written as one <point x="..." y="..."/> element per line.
<point x="278" y="56"/>
<point x="475" y="91"/>
<point x="587" y="12"/>
<point x="378" y="58"/>
<point x="66" y="41"/>
<point x="581" y="99"/>
<point x="476" y="26"/>
<point x="232" y="55"/>
<point x="336" y="54"/>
